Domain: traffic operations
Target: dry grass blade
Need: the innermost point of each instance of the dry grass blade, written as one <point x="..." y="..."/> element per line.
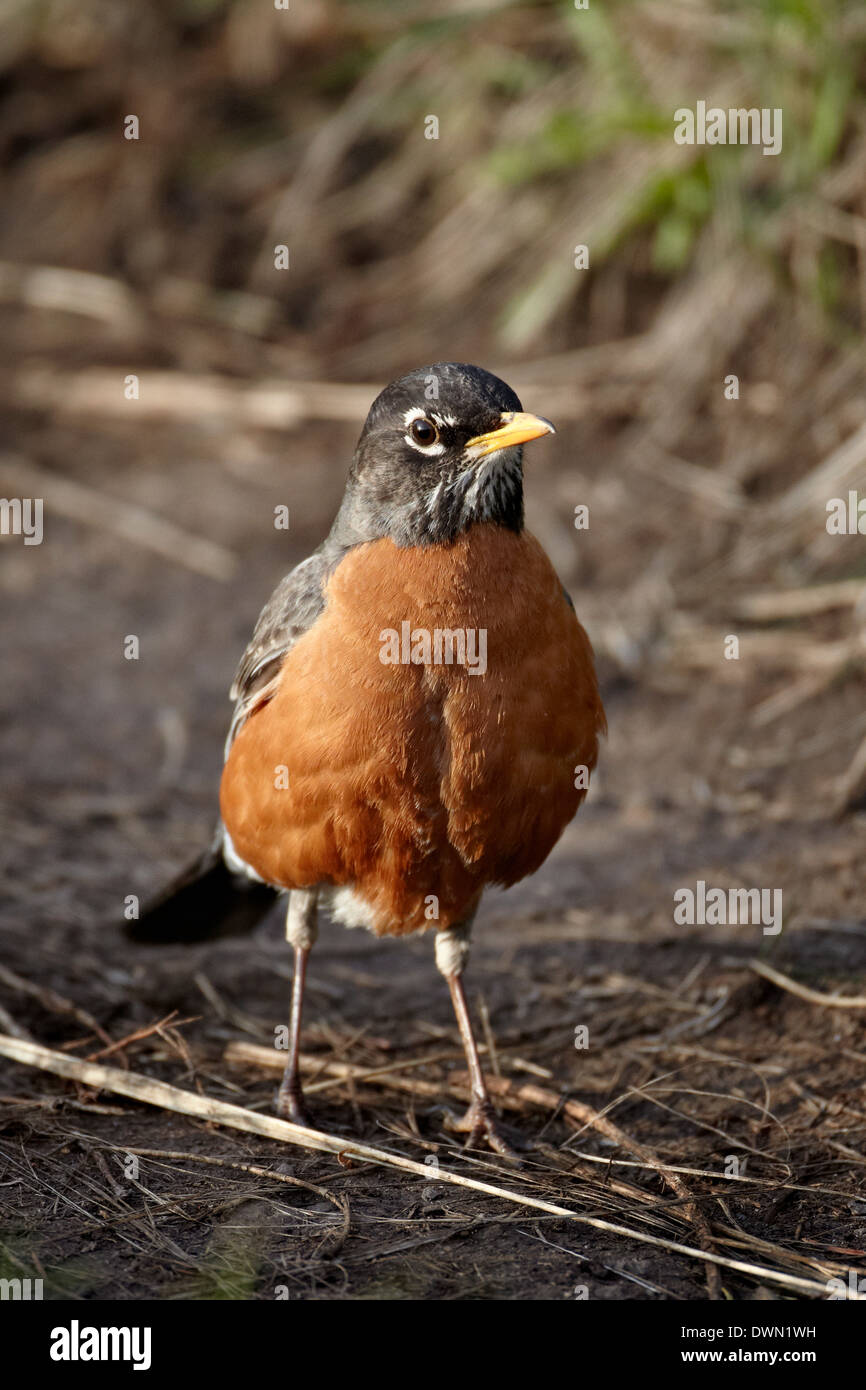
<point x="52" y="1001"/>
<point x="813" y="996"/>
<point x="771" y="605"/>
<point x="715" y="1176"/>
<point x="253" y="1168"/>
<point x="138" y="1035"/>
<point x="199" y="398"/>
<point x="808" y="496"/>
<point x="71" y="292"/>
<point x="13" y="1026"/>
<point x="852" y="784"/>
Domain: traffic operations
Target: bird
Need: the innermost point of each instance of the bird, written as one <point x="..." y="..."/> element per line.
<point x="416" y="716"/>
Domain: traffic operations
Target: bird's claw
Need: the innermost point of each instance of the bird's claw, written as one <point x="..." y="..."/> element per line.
<point x="480" y="1123"/>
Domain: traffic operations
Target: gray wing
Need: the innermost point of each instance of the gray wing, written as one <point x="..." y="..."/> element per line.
<point x="290" y="611"/>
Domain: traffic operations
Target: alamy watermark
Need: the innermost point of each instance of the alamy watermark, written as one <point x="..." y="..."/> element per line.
<point x="22" y="516"/>
<point x="21" y="1290"/>
<point x="441" y="646"/>
<point x="714" y="907"/>
<point x="77" y="1343"/>
<point x="713" y="125"/>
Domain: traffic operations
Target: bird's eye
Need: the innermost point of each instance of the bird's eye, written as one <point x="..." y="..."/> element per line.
<point x="423" y="432"/>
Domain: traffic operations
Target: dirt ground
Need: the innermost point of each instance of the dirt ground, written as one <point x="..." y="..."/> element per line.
<point x="110" y="775"/>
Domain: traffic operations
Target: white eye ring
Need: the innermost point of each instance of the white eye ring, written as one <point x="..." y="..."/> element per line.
<point x="431" y="449"/>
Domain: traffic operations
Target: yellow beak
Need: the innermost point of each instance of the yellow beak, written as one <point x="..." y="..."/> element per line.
<point x="516" y="428"/>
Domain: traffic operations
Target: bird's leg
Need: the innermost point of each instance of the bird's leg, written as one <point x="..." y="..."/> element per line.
<point x="301" y="932"/>
<point x="452" y="953"/>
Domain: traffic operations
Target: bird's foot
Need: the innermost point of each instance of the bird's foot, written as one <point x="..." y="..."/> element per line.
<point x="290" y="1105"/>
<point x="480" y="1123"/>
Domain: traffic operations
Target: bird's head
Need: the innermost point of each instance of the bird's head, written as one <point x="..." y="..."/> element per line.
<point x="441" y="449"/>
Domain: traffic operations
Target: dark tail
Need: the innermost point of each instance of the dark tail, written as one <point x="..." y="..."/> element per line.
<point x="206" y="900"/>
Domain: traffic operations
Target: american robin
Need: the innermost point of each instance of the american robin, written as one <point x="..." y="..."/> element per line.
<point x="417" y="713"/>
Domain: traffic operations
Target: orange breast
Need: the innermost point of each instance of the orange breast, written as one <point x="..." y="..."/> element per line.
<point x="417" y="784"/>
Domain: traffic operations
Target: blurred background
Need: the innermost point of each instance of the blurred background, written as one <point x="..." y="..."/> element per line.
<point x="307" y="129"/>
<point x="154" y="258"/>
